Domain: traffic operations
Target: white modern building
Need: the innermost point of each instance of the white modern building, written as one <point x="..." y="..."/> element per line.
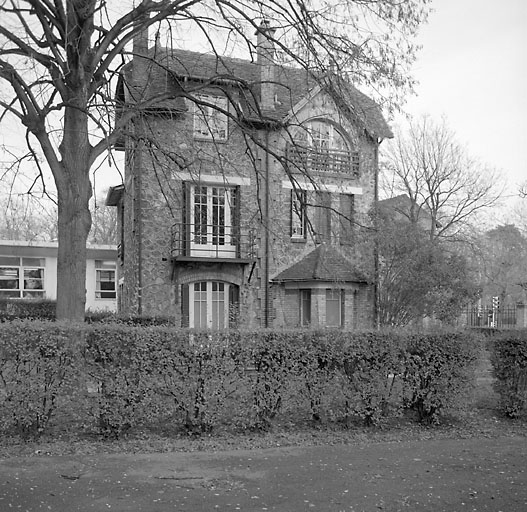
<point x="29" y="270"/>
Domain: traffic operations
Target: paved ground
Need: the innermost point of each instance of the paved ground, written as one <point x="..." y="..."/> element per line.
<point x="487" y="474"/>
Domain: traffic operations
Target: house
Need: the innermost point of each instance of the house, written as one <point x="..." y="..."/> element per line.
<point x="28" y="270"/>
<point x="247" y="194"/>
<point x="402" y="208"/>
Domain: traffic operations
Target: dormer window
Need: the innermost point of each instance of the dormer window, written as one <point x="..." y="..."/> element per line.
<point x="210" y="118"/>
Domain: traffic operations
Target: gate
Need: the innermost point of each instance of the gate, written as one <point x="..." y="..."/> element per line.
<point x="489" y="316"/>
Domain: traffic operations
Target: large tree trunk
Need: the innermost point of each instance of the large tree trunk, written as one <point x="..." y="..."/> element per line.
<point x="74" y="218"/>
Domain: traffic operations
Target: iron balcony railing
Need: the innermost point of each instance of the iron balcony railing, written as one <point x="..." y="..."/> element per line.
<point x="212" y="241"/>
<point x="323" y="160"/>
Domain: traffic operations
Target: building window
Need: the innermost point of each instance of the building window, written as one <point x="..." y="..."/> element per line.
<point x="209" y="305"/>
<point x="304" y="300"/>
<point x="212" y="221"/>
<point x="323" y="216"/>
<point x="334" y="308"/>
<point x="298" y="214"/>
<point x="21" y="277"/>
<point x="105" y="279"/>
<point x="210" y="118"/>
<point x="346" y="218"/>
<point x="319" y="146"/>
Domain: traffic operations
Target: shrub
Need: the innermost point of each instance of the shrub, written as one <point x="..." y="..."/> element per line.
<point x="438" y="370"/>
<point x="116" y="376"/>
<point x="41" y="309"/>
<point x="118" y="368"/>
<point x="509" y="359"/>
<point x="38" y="363"/>
<point x="200" y="373"/>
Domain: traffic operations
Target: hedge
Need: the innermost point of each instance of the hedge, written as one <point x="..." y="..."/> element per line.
<point x="509" y="359"/>
<point x="115" y="377"/>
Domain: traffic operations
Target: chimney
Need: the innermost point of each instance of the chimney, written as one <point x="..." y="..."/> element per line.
<point x="265" y="55"/>
<point x="140" y="65"/>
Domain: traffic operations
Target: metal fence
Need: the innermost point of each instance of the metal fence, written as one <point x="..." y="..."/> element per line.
<point x="489" y="316"/>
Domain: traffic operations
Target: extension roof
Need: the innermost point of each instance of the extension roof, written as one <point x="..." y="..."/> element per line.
<point x="323" y="264"/>
<point x="174" y="67"/>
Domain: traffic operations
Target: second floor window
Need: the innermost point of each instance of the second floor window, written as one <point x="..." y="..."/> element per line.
<point x="210" y="119"/>
<point x="298" y="214"/>
<point x="212" y="220"/>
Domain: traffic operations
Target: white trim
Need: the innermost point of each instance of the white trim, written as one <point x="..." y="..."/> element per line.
<point x="213" y="179"/>
<point x="304" y="185"/>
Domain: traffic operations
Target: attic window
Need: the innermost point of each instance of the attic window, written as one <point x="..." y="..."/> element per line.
<point x="320" y="136"/>
<point x="210" y="118"/>
<point x="318" y="146"/>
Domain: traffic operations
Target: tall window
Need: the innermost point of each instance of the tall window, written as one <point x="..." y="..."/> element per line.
<point x="210" y="119"/>
<point x="105" y="279"/>
<point x="212" y="221"/>
<point x="346" y="218"/>
<point x="305" y="307"/>
<point x="298" y="214"/>
<point x="21" y="277"/>
<point x="334" y="307"/>
<point x="209" y="305"/>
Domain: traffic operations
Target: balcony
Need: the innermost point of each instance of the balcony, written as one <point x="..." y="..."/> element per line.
<point x="331" y="161"/>
<point x="212" y="242"/>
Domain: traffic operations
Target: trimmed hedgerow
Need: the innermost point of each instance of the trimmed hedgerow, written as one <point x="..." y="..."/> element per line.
<point x="38" y="362"/>
<point x="40" y="309"/>
<point x="438" y="371"/>
<point x="117" y="377"/>
<point x="509" y="359"/>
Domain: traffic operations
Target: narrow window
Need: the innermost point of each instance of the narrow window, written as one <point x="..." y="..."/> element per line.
<point x="346" y="218"/>
<point x="323" y="216"/>
<point x="105" y="279"/>
<point x="298" y="214"/>
<point x="305" y="307"/>
<point x="9" y="277"/>
<point x="33" y="277"/>
<point x="210" y="118"/>
<point x="334" y="307"/>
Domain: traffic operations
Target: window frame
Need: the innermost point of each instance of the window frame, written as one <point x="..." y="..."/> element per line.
<point x="298" y="215"/>
<point x="337" y="298"/>
<point x="214" y="301"/>
<point x="23" y="266"/>
<point x="100" y="266"/>
<point x="304" y="306"/>
<point x="209" y="123"/>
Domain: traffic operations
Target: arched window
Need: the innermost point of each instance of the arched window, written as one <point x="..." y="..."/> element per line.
<point x="320" y="147"/>
<point x="320" y="135"/>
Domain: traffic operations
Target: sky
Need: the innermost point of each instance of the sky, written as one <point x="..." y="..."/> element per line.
<point x="472" y="70"/>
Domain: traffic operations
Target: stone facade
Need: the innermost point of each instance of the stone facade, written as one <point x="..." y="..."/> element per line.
<point x="200" y="209"/>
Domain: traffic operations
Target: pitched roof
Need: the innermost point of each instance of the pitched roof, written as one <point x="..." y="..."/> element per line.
<point x="291" y="84"/>
<point x="323" y="264"/>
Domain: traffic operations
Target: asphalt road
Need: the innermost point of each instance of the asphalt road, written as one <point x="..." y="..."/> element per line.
<point x="487" y="474"/>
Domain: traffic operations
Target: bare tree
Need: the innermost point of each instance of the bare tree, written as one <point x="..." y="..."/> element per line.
<point x="58" y="61"/>
<point x="104" y="224"/>
<point x="445" y="186"/>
